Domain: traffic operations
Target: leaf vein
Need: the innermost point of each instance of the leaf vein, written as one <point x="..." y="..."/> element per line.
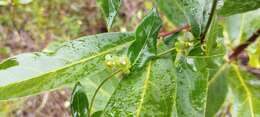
<point x="146" y="82"/>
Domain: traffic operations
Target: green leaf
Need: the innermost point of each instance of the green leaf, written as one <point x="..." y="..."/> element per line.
<point x="41" y="71"/>
<point x="91" y="84"/>
<point x="217" y="84"/>
<point x="97" y="114"/>
<point x="146" y="92"/>
<point x="192" y="80"/>
<point x="217" y="90"/>
<point x="215" y="39"/>
<point x="79" y="102"/>
<point x="110" y="9"/>
<point x="245" y="89"/>
<point x="144" y="46"/>
<point x="240" y="27"/>
<point x="254" y="56"/>
<point x="192" y="12"/>
<point x="232" y="7"/>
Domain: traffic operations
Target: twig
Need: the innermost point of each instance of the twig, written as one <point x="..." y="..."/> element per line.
<point x="244" y="59"/>
<point x="212" y="12"/>
<point x="239" y="49"/>
<point x="240" y="54"/>
<point x="178" y="29"/>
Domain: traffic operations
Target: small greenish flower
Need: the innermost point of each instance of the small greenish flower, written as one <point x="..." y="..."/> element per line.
<point x="118" y="62"/>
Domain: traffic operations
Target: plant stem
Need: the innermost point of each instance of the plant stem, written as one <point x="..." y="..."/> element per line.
<point x="212" y="12"/>
<point x="239" y="49"/>
<point x="244" y="59"/>
<point x="101" y="84"/>
<point x="178" y="29"/>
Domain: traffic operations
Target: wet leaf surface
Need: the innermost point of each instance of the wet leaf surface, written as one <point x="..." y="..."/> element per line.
<point x="192" y="80"/>
<point x="147" y="92"/>
<point x="73" y="61"/>
<point x="145" y="45"/>
<point x="217" y="78"/>
<point x="245" y="89"/>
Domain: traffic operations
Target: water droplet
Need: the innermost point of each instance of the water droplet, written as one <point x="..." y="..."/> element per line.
<point x="220" y="3"/>
<point x="190" y="61"/>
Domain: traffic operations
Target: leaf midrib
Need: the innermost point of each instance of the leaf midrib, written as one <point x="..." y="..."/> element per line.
<point x="75" y="63"/>
<point x="143" y="46"/>
<point x="218" y="73"/>
<point x="146" y="82"/>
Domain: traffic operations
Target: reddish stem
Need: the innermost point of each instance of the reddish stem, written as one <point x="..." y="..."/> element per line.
<point x="244" y="59"/>
<point x="239" y="54"/>
<point x="239" y="49"/>
<point x="178" y="29"/>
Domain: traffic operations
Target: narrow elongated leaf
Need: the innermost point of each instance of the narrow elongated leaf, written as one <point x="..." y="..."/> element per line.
<point x="215" y="39"/>
<point x="192" y="79"/>
<point x="238" y="6"/>
<point x="217" y="90"/>
<point x="181" y="12"/>
<point x="144" y="46"/>
<point x="28" y="74"/>
<point x="240" y="27"/>
<point x="110" y="9"/>
<point x="217" y="85"/>
<point x="79" y="102"/>
<point x="148" y="92"/>
<point x="245" y="88"/>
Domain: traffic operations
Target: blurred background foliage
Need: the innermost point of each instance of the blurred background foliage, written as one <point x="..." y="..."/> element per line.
<point x="31" y="25"/>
